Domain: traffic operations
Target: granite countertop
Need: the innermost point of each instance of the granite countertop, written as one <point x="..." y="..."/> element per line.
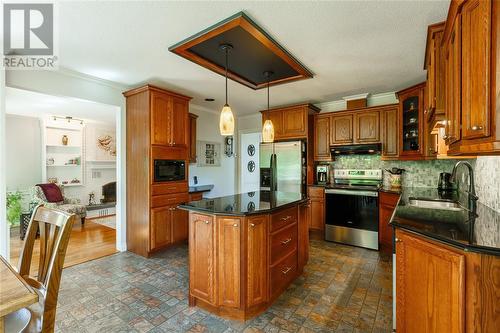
<point x="476" y="230"/>
<point x="258" y="202"/>
<point x="200" y="188"/>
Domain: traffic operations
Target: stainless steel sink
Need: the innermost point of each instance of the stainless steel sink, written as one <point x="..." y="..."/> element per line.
<point x="435" y="204"/>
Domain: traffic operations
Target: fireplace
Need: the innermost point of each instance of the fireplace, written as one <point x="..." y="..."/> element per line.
<point x="109" y="192"/>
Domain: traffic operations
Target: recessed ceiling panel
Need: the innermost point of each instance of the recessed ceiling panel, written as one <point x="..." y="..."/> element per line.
<point x="253" y="53"/>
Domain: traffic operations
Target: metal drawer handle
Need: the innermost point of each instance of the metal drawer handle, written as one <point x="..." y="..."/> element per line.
<point x="397" y="240"/>
<point x="477" y="128"/>
<point x="288" y="269"/>
<point x="286" y="241"/>
<point x="207" y="222"/>
<point x="252" y="225"/>
<point x="235" y="225"/>
<point x="286" y="218"/>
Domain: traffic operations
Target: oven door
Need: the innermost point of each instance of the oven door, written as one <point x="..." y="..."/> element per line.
<point x="352" y="217"/>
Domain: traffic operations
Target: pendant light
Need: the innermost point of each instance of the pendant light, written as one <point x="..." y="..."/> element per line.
<point x="268" y="127"/>
<point x="226" y="121"/>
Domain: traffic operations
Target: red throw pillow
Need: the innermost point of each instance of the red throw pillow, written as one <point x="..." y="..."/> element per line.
<point x="52" y="192"/>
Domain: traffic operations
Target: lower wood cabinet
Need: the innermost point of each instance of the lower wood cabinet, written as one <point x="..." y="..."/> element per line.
<point x="257" y="262"/>
<point x="229" y="250"/>
<point x="387" y="203"/>
<point x="317" y="217"/>
<point x="179" y="225"/>
<point x="303" y="234"/>
<point x="202" y="261"/>
<point x="430" y="286"/>
<point x="161" y="227"/>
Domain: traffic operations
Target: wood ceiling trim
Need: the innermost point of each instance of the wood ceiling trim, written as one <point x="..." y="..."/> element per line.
<point x="243" y="21"/>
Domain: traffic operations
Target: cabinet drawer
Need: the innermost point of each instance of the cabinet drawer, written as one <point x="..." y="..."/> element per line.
<point x="316" y="192"/>
<point x="283" y="218"/>
<point x="168" y="199"/>
<point x="283" y="243"/>
<point x="167" y="188"/>
<point x="283" y="273"/>
<point x="195" y="196"/>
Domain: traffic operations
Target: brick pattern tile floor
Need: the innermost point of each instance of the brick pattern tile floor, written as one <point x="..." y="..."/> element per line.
<point x="343" y="289"/>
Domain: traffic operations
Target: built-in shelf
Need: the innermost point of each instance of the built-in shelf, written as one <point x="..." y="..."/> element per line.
<point x="63" y="165"/>
<point x="101" y="161"/>
<point x="64" y="146"/>
<point x="72" y="185"/>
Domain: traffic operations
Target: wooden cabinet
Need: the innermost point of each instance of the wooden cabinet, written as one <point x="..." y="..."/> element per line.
<point x="157" y="128"/>
<point x="453" y="90"/>
<point x="367" y="127"/>
<point x="434" y="64"/>
<point x="476" y="32"/>
<point x="291" y="122"/>
<point x="430" y="286"/>
<point x="411" y="121"/>
<point x="202" y="260"/>
<point x="387" y="203"/>
<point x="322" y="138"/>
<point x="229" y="248"/>
<point x="341" y="129"/>
<point x="317" y="217"/>
<point x="195" y="196"/>
<point x="192" y="137"/>
<point x="303" y="235"/>
<point x="256" y="256"/>
<point x="390" y="132"/>
<point x="161" y="227"/>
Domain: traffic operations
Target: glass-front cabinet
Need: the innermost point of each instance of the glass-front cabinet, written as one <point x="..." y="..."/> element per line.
<point x="411" y="129"/>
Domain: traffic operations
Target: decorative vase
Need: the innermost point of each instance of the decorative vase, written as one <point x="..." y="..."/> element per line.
<point x="65" y="140"/>
<point x="396" y="181"/>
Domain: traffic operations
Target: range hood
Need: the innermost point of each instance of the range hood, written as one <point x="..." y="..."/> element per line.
<point x="374" y="148"/>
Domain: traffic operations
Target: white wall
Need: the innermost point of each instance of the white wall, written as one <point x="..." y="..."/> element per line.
<point x="71" y="84"/>
<point x="23" y="152"/>
<point x="4" y="227"/>
<point x="223" y="177"/>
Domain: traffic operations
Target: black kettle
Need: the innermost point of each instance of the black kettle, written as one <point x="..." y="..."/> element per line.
<point x="445" y="183"/>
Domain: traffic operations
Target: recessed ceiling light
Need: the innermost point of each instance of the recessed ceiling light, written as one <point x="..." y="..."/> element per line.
<point x="209" y="99"/>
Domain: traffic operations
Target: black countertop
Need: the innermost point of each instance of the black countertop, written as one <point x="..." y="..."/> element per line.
<point x="477" y="229"/>
<point x="200" y="188"/>
<point x="258" y="202"/>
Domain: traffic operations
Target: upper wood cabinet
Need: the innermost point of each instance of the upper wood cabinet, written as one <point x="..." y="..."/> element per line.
<point x="367" y="127"/>
<point x="476" y="32"/>
<point x="341" y="129"/>
<point x="453" y="90"/>
<point x="291" y="122"/>
<point x="169" y="120"/>
<point x="390" y="132"/>
<point x="192" y="137"/>
<point x="435" y="66"/>
<point x="411" y="140"/>
<point x="322" y="137"/>
<point x="430" y="286"/>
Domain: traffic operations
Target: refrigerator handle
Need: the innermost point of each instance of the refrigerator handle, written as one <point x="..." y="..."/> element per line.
<point x="274" y="173"/>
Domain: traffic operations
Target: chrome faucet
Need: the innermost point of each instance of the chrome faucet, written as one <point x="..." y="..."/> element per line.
<point x="472" y="191"/>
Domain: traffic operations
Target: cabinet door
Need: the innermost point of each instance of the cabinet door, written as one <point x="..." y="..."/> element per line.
<point x="295" y="122"/>
<point x="387" y="204"/>
<point x="229" y="261"/>
<point x="179" y="123"/>
<point x="430" y="286"/>
<point x="161" y="224"/>
<point x="180" y="224"/>
<point x="161" y="112"/>
<point x="411" y="141"/>
<point x="192" y="137"/>
<point x="390" y="133"/>
<point x="322" y="139"/>
<point x="367" y="126"/>
<point x="202" y="261"/>
<point x="476" y="22"/>
<point x="341" y="129"/>
<point x="257" y="260"/>
<point x="317" y="214"/>
<point x="439" y="89"/>
<point x="453" y="90"/>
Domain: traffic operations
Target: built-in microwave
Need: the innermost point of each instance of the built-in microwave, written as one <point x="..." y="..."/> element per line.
<point x="169" y="170"/>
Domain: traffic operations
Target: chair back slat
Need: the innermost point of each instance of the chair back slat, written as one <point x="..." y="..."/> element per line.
<point x="55" y="229"/>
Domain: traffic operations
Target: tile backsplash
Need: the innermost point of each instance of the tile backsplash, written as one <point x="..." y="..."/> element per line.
<point x="426" y="173"/>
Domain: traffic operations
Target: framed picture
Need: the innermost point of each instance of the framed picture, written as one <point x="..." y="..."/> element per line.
<point x="208" y="153"/>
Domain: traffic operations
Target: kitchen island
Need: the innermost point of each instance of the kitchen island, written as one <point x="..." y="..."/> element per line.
<point x="245" y="250"/>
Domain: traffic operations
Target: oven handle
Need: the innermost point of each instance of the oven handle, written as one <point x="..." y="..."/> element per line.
<point x="352" y="192"/>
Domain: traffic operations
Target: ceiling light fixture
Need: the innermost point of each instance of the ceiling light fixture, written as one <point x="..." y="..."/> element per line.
<point x="69" y="119"/>
<point x="268" y="127"/>
<point x="226" y="122"/>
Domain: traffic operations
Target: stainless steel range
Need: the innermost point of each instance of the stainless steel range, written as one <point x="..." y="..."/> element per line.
<point x="352" y="208"/>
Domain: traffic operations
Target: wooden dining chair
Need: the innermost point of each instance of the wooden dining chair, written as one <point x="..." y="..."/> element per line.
<point x="55" y="229"/>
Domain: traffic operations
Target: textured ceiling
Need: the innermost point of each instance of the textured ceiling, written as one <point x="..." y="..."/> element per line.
<point x="350" y="46"/>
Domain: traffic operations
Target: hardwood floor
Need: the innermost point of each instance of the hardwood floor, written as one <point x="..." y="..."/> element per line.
<point x="89" y="242"/>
